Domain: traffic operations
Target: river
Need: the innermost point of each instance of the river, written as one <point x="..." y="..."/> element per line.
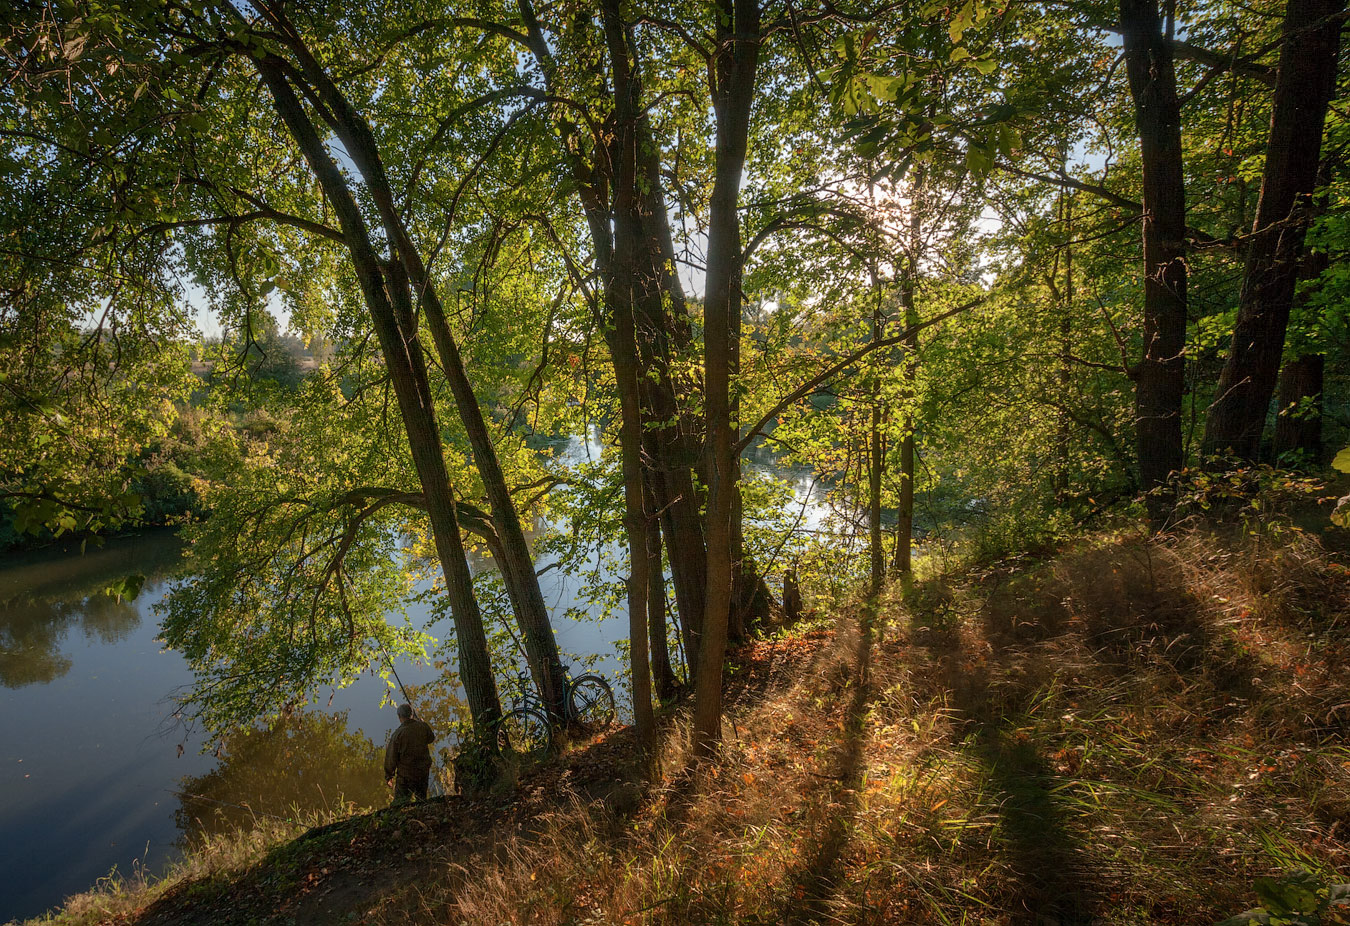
<point x="97" y="778"/>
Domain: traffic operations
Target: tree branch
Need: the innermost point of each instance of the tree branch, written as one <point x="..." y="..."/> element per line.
<point x="848" y="360"/>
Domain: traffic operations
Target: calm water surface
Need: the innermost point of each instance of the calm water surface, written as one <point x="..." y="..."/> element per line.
<point x="95" y="776"/>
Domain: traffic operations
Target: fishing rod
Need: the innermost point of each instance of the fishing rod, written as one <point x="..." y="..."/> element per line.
<point x="389" y="661"/>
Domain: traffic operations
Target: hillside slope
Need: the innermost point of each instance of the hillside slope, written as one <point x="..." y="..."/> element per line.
<point x="1124" y="731"/>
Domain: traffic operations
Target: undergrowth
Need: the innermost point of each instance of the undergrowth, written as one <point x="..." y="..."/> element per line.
<point x="205" y="871"/>
<point x="1124" y="730"/>
<point x="1131" y="730"/>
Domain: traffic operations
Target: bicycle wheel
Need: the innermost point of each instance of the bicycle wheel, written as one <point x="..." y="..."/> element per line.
<point x="591" y="701"/>
<point x="525" y="732"/>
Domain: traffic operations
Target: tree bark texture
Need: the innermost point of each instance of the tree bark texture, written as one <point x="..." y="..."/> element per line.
<point x="673" y="455"/>
<point x="662" y="321"/>
<point x="1303" y="89"/>
<point x="620" y="299"/>
<point x="1298" y="426"/>
<point x="732" y="70"/>
<point x="1160" y="378"/>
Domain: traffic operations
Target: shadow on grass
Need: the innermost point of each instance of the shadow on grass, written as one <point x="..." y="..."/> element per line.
<point x="1051" y="881"/>
<point x="818" y="880"/>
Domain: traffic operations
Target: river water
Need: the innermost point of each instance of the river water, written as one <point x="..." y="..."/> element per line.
<point x="96" y="778"/>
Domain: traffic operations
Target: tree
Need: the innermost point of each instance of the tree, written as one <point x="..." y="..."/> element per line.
<point x="1160" y="374"/>
<point x="1304" y="87"/>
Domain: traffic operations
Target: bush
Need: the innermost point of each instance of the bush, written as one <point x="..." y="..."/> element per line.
<point x="167" y="492"/>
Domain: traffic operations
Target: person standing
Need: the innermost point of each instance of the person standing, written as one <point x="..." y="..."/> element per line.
<point x="407" y="758"/>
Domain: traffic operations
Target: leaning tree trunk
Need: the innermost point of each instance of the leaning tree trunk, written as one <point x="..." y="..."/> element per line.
<point x="1303" y="90"/>
<point x="733" y="71"/>
<point x="407" y="369"/>
<point x="1160" y="376"/>
<point x="541" y="649"/>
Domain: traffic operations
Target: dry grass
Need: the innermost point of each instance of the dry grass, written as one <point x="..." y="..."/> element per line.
<point x="206" y="870"/>
<point x="1127" y="731"/>
<point x="1130" y="731"/>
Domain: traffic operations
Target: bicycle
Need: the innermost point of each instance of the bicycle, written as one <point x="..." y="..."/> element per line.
<point x="525" y="728"/>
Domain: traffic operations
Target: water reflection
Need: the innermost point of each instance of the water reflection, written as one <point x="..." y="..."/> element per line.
<point x="306" y="763"/>
<point x="42" y="602"/>
<point x="84" y="686"/>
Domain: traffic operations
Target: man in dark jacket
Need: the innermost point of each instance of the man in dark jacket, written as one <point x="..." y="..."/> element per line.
<point x="407" y="758"/>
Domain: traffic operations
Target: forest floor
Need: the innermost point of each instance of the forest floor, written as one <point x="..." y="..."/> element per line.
<point x="1121" y="730"/>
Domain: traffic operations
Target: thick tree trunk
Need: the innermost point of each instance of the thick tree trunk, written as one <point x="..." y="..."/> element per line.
<point x="661" y="314"/>
<point x="661" y="320"/>
<point x="1160" y="379"/>
<point x="517" y="563"/>
<point x="407" y="369"/>
<point x="1298" y="426"/>
<point x="733" y="70"/>
<point x="681" y="436"/>
<point x="620" y="301"/>
<point x="1303" y="89"/>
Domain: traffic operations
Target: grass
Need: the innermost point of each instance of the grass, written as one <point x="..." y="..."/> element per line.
<point x="1128" y="731"/>
<point x="205" y="873"/>
<point x="1125" y="730"/>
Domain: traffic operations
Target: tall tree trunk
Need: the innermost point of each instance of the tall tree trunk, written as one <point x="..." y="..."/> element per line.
<point x="1303" y="89"/>
<point x="407" y="369"/>
<point x="904" y="526"/>
<point x="682" y="434"/>
<point x="1160" y="378"/>
<point x="541" y="649"/>
<point x="876" y="452"/>
<point x="661" y="317"/>
<point x="733" y="69"/>
<point x="621" y="300"/>
<point x="661" y="321"/>
<point x="1065" y="306"/>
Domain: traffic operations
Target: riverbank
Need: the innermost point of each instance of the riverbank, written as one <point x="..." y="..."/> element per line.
<point x="1121" y="730"/>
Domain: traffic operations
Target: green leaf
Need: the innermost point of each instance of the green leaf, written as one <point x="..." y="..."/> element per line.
<point x="962" y="21"/>
<point x="1342" y="461"/>
<point x="1288" y="896"/>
